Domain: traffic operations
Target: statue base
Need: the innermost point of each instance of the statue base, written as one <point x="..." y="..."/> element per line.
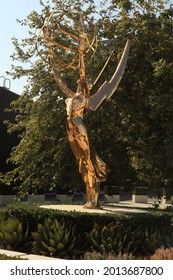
<point x="94" y="207"/>
<point x="91" y="206"/>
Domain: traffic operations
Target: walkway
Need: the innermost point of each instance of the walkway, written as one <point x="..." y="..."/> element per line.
<point x="25" y="256"/>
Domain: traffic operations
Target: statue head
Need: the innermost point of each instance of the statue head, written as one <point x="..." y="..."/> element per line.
<point x="89" y="84"/>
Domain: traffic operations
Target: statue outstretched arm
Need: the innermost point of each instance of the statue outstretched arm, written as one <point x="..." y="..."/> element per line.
<point x="68" y="92"/>
<point x="108" y="88"/>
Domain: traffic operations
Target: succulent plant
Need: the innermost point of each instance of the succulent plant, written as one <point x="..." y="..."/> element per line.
<point x="129" y="238"/>
<point x="139" y="239"/>
<point x="109" y="256"/>
<point x="54" y="238"/>
<point x="12" y="233"/>
<point x="103" y="238"/>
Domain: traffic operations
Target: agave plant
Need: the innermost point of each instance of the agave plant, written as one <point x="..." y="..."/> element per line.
<point x="12" y="233"/>
<point x="54" y="238"/>
<point x="142" y="239"/>
<point x="103" y="238"/>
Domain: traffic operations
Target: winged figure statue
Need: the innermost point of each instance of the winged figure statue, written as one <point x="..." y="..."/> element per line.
<point x="92" y="168"/>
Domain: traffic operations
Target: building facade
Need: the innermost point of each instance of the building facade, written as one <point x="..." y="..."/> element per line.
<point x="7" y="141"/>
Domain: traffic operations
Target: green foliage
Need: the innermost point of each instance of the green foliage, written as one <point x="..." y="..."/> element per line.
<point x="5" y="257"/>
<point x="12" y="233"/>
<point x="140" y="191"/>
<point x="134" y="128"/>
<point x="119" y="235"/>
<point x="54" y="238"/>
<point x="130" y="236"/>
<point x="143" y="238"/>
<point x="145" y="100"/>
<point x="112" y="190"/>
<point x="43" y="159"/>
<point x="109" y="256"/>
<point x="103" y="238"/>
<point x="84" y="221"/>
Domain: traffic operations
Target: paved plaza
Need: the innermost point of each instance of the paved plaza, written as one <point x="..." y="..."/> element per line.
<point x="121" y="207"/>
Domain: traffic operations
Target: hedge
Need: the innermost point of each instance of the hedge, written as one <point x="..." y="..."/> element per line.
<point x="84" y="221"/>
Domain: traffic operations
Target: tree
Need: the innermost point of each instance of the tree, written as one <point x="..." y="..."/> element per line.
<point x="147" y="97"/>
<point x="43" y="158"/>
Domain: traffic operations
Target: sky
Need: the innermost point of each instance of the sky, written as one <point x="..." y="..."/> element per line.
<point x="10" y="11"/>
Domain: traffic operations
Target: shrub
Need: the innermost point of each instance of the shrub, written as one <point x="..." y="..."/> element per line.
<point x="102" y="238"/>
<point x="35" y="214"/>
<point x="12" y="233"/>
<point x="112" y="190"/>
<point x="54" y="238"/>
<point x="84" y="221"/>
<point x="142" y="235"/>
<point x="5" y="257"/>
<point x="136" y="234"/>
<point x="122" y="238"/>
<point x="162" y="254"/>
<point x="139" y="235"/>
<point x="109" y="256"/>
<point x="137" y="239"/>
<point x="3" y="216"/>
<point x="140" y="191"/>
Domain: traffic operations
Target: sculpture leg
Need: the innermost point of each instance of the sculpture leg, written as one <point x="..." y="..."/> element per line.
<point x="92" y="194"/>
<point x="97" y="195"/>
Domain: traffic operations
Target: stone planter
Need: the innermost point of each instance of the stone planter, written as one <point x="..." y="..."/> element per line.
<point x="64" y="199"/>
<point x="112" y="194"/>
<point x="78" y="198"/>
<point x="36" y="198"/>
<point x="137" y="198"/>
<point x="165" y="200"/>
<point x="140" y="195"/>
<point x="6" y="199"/>
<point x="50" y="196"/>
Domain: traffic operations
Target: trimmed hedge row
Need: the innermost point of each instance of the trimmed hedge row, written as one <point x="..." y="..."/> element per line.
<point x="84" y="222"/>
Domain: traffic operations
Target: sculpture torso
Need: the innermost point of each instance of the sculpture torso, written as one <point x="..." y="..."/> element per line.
<point x="75" y="106"/>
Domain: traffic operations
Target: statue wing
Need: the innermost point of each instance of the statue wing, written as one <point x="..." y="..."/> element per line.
<point x="108" y="88"/>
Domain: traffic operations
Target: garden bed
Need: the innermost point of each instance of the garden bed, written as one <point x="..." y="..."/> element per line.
<point x="77" y="235"/>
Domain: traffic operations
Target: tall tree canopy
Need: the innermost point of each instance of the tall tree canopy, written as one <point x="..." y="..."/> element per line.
<point x="133" y="132"/>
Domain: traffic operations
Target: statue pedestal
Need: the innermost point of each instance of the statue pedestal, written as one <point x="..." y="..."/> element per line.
<point x="112" y="199"/>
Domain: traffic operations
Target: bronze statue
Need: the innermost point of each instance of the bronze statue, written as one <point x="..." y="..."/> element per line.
<point x="91" y="167"/>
